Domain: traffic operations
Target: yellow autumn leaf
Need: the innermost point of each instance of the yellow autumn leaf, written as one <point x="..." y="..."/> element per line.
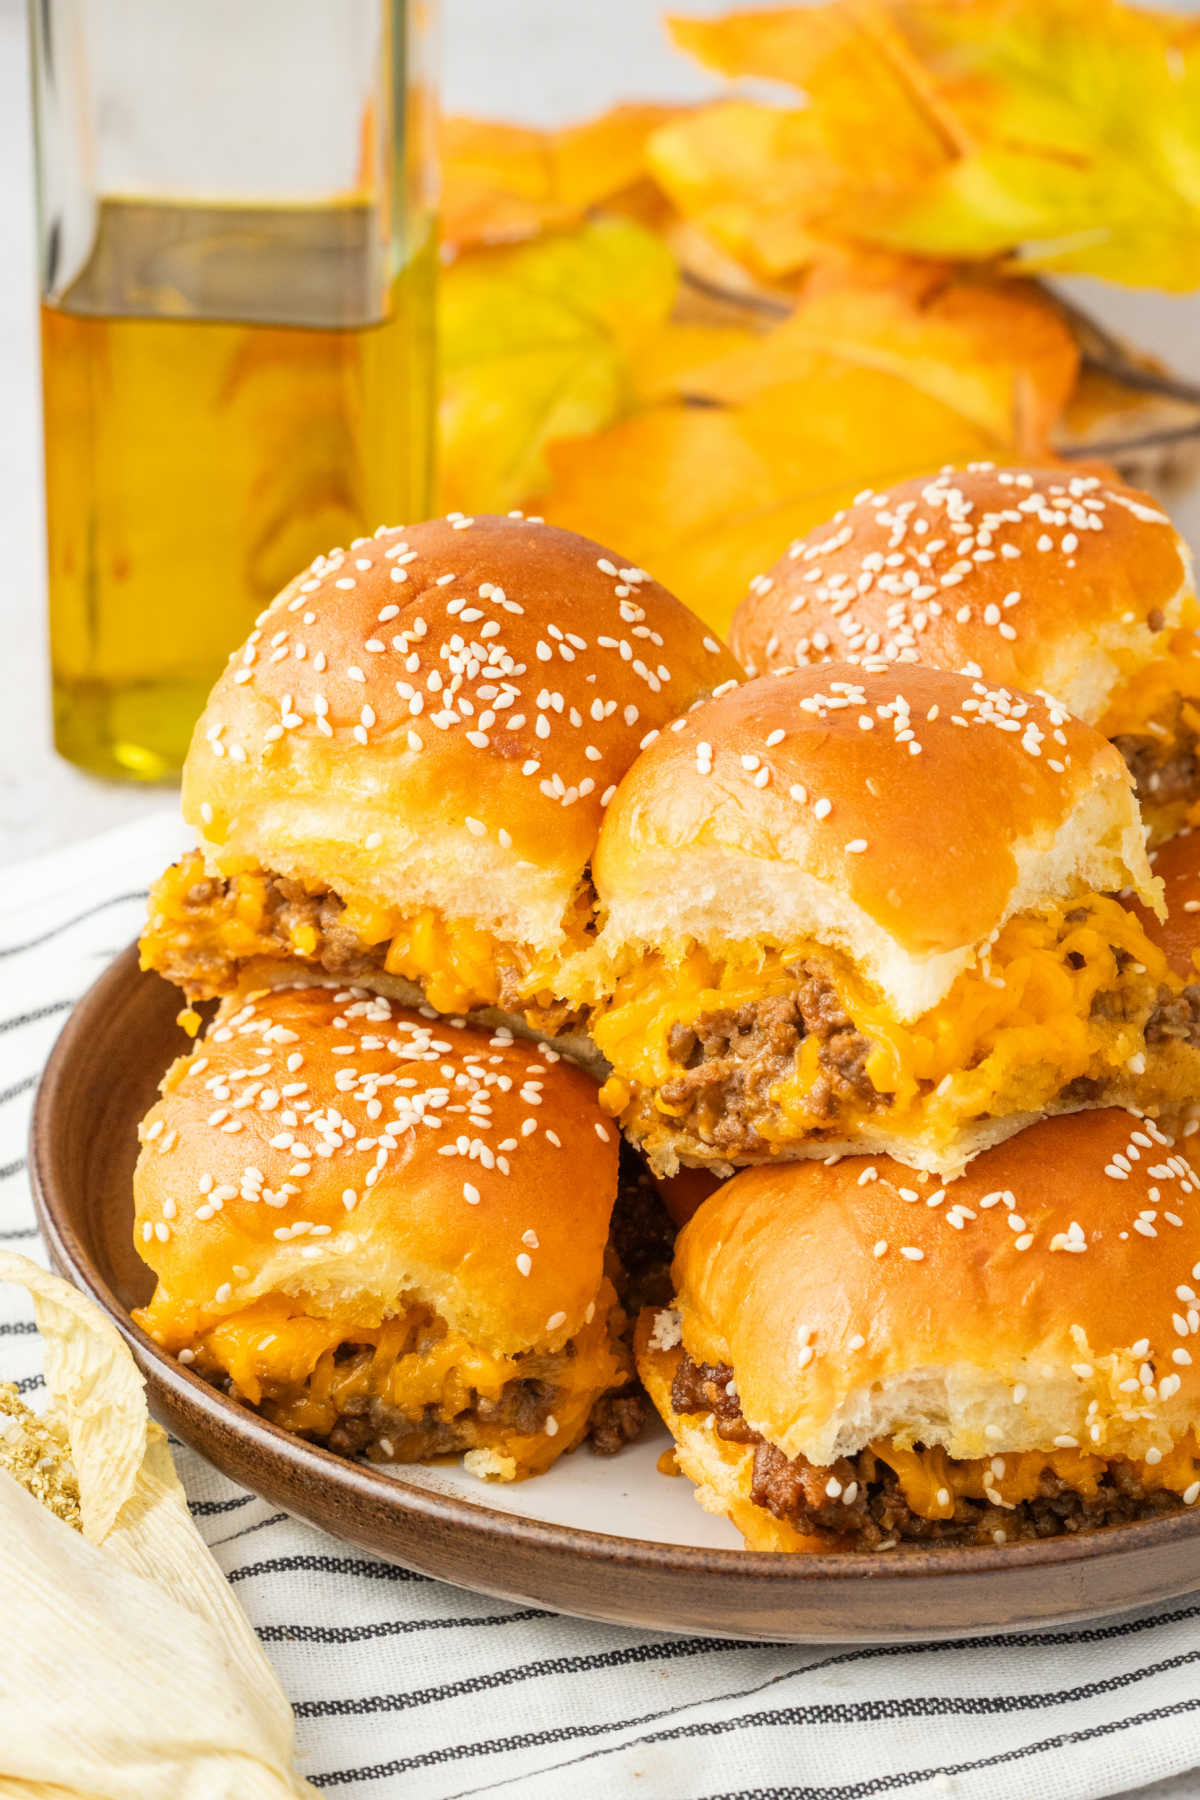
<point x="772" y="184"/>
<point x="1063" y="134"/>
<point x="669" y="361"/>
<point x="502" y="183"/>
<point x="706" y="497"/>
<point x="1084" y="123"/>
<point x="535" y="344"/>
<point x="998" y="353"/>
<point x="755" y="178"/>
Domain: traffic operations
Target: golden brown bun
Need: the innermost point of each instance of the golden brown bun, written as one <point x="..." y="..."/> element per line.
<point x="959" y="1317"/>
<point x="1177" y="866"/>
<point x="928" y="573"/>
<point x="569" y="1041"/>
<point x="899" y="816"/>
<point x="720" y="1470"/>
<point x="494" y="1211"/>
<point x="436" y="716"/>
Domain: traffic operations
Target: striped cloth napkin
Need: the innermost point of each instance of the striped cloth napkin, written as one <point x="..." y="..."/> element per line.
<point x="405" y="1686"/>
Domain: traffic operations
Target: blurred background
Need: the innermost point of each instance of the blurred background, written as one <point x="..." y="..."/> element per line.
<point x="541" y="62"/>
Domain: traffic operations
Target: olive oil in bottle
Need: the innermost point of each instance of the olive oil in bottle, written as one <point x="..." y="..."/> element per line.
<point x="228" y="391"/>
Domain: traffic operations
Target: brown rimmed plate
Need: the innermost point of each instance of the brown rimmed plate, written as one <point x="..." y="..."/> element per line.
<point x="542" y="1542"/>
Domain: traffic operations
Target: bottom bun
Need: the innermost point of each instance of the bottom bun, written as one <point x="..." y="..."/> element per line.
<point x="672" y="1153"/>
<point x="268" y="972"/>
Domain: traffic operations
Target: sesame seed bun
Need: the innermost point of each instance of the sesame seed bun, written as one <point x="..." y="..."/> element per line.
<point x="436" y="718"/>
<point x="449" y="1211"/>
<point x="904" y="816"/>
<point x="385" y="1230"/>
<point x="1030" y="578"/>
<point x="1177" y="865"/>
<point x="848" y="910"/>
<point x="927" y="571"/>
<point x="856" y="1303"/>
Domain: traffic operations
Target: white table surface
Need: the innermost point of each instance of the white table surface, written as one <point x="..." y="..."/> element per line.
<point x="541" y="60"/>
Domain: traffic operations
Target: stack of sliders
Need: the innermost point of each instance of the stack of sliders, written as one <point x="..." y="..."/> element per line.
<point x="866" y="959"/>
<point x="921" y="935"/>
<point x="379" y="1209"/>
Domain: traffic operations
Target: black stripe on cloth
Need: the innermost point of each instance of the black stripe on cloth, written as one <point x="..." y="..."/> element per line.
<point x="882" y="1784"/>
<point x="245" y="1530"/>
<point x="924" y="1706"/>
<point x="326" y="1565"/>
<point x="18" y="1087"/>
<point x="31" y="1018"/>
<point x="11" y="1237"/>
<point x="358" y="1634"/>
<point x="12" y="1168"/>
<point x="18" y="1328"/>
<point x="77" y="919"/>
<point x="934" y="1706"/>
<point x="205" y="1509"/>
<point x="559" y="1734"/>
<point x="669" y="1651"/>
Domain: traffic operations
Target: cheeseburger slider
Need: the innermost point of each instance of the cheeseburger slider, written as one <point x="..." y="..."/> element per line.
<point x="860" y="1359"/>
<point x="849" y="910"/>
<point x="387" y="1231"/>
<point x="1034" y="579"/>
<point x="399" y="779"/>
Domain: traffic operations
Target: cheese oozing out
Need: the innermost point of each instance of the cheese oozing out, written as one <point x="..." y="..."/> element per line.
<point x="1060" y="994"/>
<point x="459" y="965"/>
<point x="305" y="1371"/>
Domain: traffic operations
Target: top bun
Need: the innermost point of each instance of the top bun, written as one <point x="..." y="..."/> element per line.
<point x="348" y="1153"/>
<point x="900" y="816"/>
<point x="438" y="716"/>
<point x="1034" y="578"/>
<point x="1046" y="1298"/>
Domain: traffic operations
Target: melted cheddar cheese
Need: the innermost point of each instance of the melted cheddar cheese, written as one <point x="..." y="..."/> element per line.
<point x="1140" y="704"/>
<point x="1011" y="1032"/>
<point x="304" y="1371"/>
<point x="931" y="1481"/>
<point x="459" y="965"/>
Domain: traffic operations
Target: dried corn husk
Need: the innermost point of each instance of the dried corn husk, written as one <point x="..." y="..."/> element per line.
<point x="128" y="1671"/>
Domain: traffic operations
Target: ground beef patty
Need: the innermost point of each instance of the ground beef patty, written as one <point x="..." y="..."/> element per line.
<point x="1176" y="1016"/>
<point x="730" y="1060"/>
<point x="201" y="967"/>
<point x="371" y="1427"/>
<point x="860" y="1498"/>
<point x="1166" y="767"/>
<point x="641" y="1236"/>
